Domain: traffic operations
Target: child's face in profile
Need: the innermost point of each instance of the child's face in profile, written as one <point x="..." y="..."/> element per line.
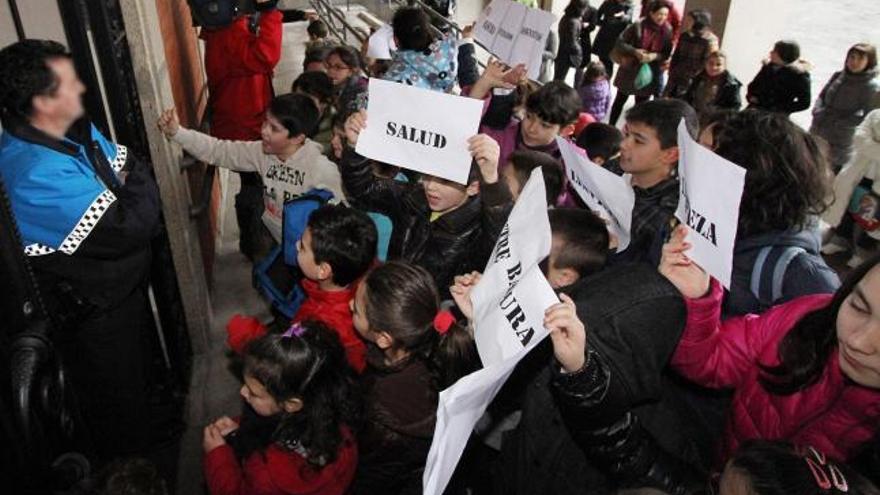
<point x="559" y="277"/>
<point x="305" y="257"/>
<point x="275" y="137"/>
<point x="359" y="313"/>
<point x="858" y="332"/>
<point x="256" y="395"/>
<point x="337" y="142"/>
<point x="443" y="195"/>
<point x="537" y="132"/>
<point x="640" y="150"/>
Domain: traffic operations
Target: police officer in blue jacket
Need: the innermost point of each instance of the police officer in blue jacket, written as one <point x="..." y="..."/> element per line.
<point x="87" y="211"/>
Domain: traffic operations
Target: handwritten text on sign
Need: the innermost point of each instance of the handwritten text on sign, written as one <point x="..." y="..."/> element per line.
<point x="515" y="33"/>
<point x="420" y="129"/>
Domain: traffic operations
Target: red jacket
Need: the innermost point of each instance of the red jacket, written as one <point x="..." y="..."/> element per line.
<point x="239" y="66"/>
<point x="834" y="415"/>
<point x="334" y="310"/>
<point x="330" y="308"/>
<point x="279" y="472"/>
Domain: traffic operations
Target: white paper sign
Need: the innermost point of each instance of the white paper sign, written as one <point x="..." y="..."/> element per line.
<point x="381" y="43"/>
<point x="514" y="33"/>
<point x="461" y="405"/>
<point x="503" y="296"/>
<point x="609" y="195"/>
<point x="420" y="129"/>
<point x="708" y="203"/>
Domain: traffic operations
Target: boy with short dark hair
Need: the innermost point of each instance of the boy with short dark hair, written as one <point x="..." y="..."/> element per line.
<point x="601" y="142"/>
<point x="519" y="169"/>
<point x="649" y="160"/>
<point x="336" y="249"/>
<point x="318" y="32"/>
<point x="551" y="111"/>
<point x="579" y="247"/>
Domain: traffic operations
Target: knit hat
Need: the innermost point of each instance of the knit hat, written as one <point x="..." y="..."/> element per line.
<point x="789" y="51"/>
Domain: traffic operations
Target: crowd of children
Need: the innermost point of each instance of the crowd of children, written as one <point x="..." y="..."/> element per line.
<point x="654" y="377"/>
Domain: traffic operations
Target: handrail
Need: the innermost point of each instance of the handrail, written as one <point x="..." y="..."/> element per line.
<point x="336" y="21"/>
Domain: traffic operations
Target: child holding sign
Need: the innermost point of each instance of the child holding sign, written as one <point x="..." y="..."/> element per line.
<point x="415" y="351"/>
<point x="444" y="226"/>
<point x="805" y="371"/>
<point x="649" y="155"/>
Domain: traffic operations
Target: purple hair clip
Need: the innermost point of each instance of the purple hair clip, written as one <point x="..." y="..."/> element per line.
<point x="295" y="330"/>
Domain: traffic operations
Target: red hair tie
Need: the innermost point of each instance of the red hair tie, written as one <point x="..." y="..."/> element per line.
<point x="443" y="321"/>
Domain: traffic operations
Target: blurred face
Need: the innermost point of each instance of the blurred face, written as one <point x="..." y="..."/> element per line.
<point x="688" y="22"/>
<point x="275" y="136"/>
<point x="65" y="103"/>
<point x="318" y="66"/>
<point x="337" y="142"/>
<point x="640" y="150"/>
<point x="660" y="15"/>
<point x="537" y="132"/>
<point x="509" y="177"/>
<point x="856" y="61"/>
<point x="359" y="313"/>
<point x="305" y="257"/>
<point x="258" y="397"/>
<point x="337" y="70"/>
<point x="734" y="482"/>
<point x="443" y="195"/>
<point x="858" y="332"/>
<point x="775" y="58"/>
<point x="715" y="66"/>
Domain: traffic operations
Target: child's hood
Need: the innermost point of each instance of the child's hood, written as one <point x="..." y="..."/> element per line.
<point x="435" y="70"/>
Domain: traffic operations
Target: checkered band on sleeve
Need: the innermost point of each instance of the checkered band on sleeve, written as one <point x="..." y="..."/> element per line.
<point x="37" y="249"/>
<point x="119" y="161"/>
<point x="88" y="221"/>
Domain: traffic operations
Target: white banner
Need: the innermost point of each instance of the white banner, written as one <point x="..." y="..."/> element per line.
<point x="708" y="203"/>
<point x="500" y="300"/>
<point x="514" y="33"/>
<point x="381" y="43"/>
<point x="420" y="129"/>
<point x="519" y="314"/>
<point x="609" y="195"/>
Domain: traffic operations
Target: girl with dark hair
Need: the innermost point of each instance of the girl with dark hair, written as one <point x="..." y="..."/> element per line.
<point x="807" y="371"/>
<point x="346" y="70"/>
<point x="845" y="100"/>
<point x="776" y="255"/>
<point x="779" y="468"/>
<point x="416" y="350"/>
<point x="295" y="434"/>
<point x="783" y="83"/>
<point x="569" y="55"/>
<point x="714" y="88"/>
<point x="694" y="45"/>
<point x="648" y="41"/>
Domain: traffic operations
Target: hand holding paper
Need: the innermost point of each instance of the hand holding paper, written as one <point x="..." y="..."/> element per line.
<point x="568" y="334"/>
<point x="461" y="292"/>
<point x="485" y="151"/>
<point x="354" y="125"/>
<point x="691" y="280"/>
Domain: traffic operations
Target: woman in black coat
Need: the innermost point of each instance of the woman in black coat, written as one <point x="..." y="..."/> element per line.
<point x="613" y="17"/>
<point x="569" y="54"/>
<point x="783" y="84"/>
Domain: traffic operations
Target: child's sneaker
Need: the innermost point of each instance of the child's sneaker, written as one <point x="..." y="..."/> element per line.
<point x="835" y="245"/>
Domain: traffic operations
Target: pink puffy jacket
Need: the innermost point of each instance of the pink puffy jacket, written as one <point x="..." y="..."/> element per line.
<point x="834" y="415"/>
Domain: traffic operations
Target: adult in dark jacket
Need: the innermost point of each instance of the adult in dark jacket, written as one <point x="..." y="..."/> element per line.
<point x="845" y="100"/>
<point x="694" y="45"/>
<point x="589" y="22"/>
<point x="569" y="54"/>
<point x="648" y="41"/>
<point x="457" y="241"/>
<point x="714" y="88"/>
<point x="613" y="17"/>
<point x="783" y="83"/>
<point x="87" y="210"/>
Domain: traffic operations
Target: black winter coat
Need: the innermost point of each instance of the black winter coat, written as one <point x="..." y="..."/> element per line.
<point x="458" y="242"/>
<point x="589" y="22"/>
<point x="784" y="89"/>
<point x="634" y="319"/>
<point x="611" y="25"/>
<point x="570" y="41"/>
